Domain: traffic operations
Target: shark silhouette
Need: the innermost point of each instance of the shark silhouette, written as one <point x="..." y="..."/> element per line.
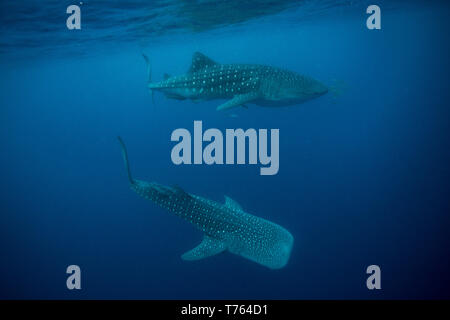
<point x="225" y="226"/>
<point x="238" y="83"/>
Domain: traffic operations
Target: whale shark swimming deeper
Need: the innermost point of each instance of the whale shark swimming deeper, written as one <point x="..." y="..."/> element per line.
<point x="240" y="84"/>
<point x="226" y="227"/>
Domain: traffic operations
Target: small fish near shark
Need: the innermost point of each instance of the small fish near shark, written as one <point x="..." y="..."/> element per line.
<point x="239" y="84"/>
<point x="226" y="226"/>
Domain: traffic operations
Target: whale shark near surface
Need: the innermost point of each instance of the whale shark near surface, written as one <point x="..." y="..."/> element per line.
<point x="239" y="84"/>
<point x="226" y="227"/>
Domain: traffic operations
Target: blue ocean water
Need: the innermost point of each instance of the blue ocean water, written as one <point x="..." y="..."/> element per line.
<point x="363" y="179"/>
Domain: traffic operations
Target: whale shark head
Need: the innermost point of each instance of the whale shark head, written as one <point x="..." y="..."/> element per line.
<point x="312" y="88"/>
<point x="285" y="88"/>
<point x="280" y="251"/>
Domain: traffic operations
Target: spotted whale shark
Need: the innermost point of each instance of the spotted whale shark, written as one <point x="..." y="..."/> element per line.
<point x="239" y="84"/>
<point x="226" y="226"/>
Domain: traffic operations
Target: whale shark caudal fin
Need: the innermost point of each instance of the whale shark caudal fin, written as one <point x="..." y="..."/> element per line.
<point x="125" y="159"/>
<point x="149" y="75"/>
<point x="230" y="203"/>
<point x="207" y="248"/>
<point x="238" y="100"/>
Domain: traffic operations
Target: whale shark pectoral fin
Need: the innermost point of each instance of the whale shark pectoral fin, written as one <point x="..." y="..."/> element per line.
<point x="230" y="203"/>
<point x="238" y="100"/>
<point x="174" y="96"/>
<point x="207" y="248"/>
<point x="200" y="61"/>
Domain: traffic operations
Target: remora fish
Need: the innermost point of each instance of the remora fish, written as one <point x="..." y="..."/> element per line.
<point x="239" y="84"/>
<point x="225" y="226"/>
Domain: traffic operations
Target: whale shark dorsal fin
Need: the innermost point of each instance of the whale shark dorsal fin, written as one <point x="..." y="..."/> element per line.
<point x="207" y="248"/>
<point x="200" y="61"/>
<point x="230" y="203"/>
<point x="166" y="76"/>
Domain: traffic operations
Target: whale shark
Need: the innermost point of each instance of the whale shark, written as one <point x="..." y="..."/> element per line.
<point x="239" y="84"/>
<point x="225" y="226"/>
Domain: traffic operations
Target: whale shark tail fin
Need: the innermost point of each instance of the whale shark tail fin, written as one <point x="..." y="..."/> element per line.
<point x="207" y="248"/>
<point x="125" y="159"/>
<point x="149" y="75"/>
